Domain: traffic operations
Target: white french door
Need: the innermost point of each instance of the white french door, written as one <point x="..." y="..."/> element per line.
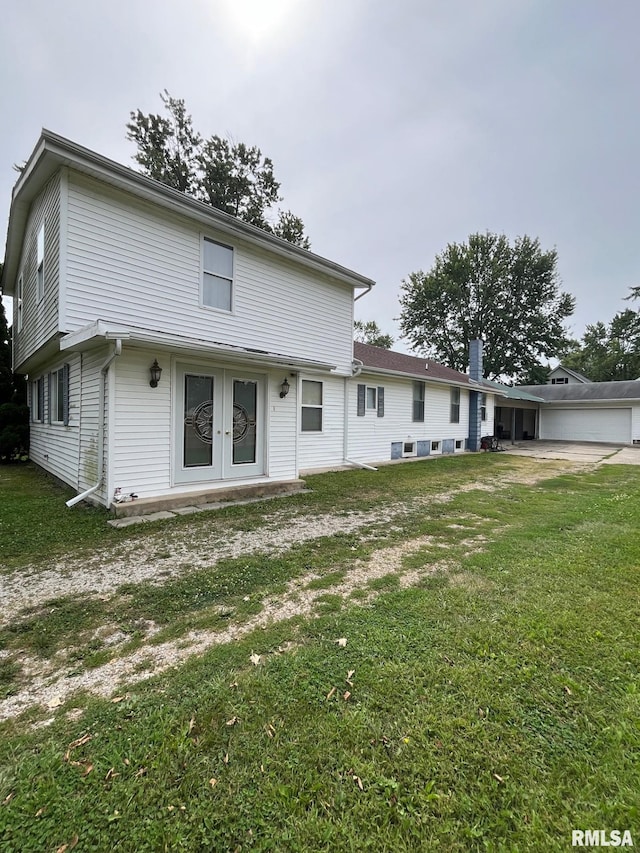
<point x="218" y="424"/>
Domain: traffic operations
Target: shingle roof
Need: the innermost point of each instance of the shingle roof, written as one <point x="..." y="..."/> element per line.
<point x="411" y="365"/>
<point x="628" y="390"/>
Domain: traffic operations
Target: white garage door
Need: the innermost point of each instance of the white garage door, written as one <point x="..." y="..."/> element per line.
<point x="586" y="425"/>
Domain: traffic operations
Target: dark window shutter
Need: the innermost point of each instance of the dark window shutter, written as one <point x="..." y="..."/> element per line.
<point x="41" y="399"/>
<point x="65" y="394"/>
<point x="362" y="393"/>
<point x="49" y="383"/>
<point x="380" y="402"/>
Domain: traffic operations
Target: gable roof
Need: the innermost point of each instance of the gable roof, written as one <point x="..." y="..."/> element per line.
<point x="53" y="151"/>
<point x="584" y="392"/>
<point x="579" y="377"/>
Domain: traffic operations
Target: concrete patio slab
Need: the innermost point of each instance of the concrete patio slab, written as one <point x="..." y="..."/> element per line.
<point x="575" y="451"/>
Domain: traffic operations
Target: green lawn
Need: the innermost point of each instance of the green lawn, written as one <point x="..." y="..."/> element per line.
<point x="494" y="706"/>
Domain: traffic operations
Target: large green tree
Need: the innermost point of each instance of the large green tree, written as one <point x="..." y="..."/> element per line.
<point x="609" y="352"/>
<point x="228" y="175"/>
<point x="369" y="332"/>
<point x="505" y="293"/>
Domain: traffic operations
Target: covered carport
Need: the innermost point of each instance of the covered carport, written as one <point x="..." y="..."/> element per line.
<point x="517" y="414"/>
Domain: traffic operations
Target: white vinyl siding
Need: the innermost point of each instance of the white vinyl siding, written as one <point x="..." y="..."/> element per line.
<point x="53" y="446"/>
<point x="325" y="449"/>
<point x="38" y="315"/>
<point x="134" y="264"/>
<point x="370" y="438"/>
<point x="141" y="435"/>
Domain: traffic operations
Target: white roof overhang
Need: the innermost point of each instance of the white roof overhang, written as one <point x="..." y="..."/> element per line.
<point x="97" y="334"/>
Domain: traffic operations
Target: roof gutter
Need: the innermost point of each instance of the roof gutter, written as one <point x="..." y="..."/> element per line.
<point x="117" y="350"/>
<point x="364" y="292"/>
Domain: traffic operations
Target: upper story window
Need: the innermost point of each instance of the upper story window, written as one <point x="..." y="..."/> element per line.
<point x="217" y="275"/>
<point x="19" y="304"/>
<point x="454" y="416"/>
<point x="418" y="402"/>
<point x="483" y="407"/>
<point x="560" y="380"/>
<point x="312" y="401"/>
<point x="40" y="262"/>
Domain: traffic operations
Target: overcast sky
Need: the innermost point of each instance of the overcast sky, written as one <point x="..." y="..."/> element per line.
<point x="394" y="128"/>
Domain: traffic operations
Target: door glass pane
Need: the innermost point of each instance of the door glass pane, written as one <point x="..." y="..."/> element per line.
<point x="245" y="397"/>
<point x="198" y="421"/>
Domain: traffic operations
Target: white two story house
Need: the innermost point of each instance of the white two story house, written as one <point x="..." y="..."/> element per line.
<point x="173" y="350"/>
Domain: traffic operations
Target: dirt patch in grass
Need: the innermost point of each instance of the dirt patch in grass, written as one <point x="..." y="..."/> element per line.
<point x="51" y="682"/>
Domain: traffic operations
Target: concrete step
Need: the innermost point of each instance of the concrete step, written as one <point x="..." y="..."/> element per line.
<point x="201" y="499"/>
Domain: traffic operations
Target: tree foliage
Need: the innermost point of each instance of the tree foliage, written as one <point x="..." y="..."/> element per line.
<point x="368" y="332"/>
<point x="14" y="414"/>
<point x="609" y="352"/>
<point x="6" y="379"/>
<point x="228" y="175"/>
<point x="507" y="294"/>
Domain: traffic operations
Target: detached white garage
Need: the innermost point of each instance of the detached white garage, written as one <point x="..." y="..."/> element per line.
<point x="589" y="411"/>
<point x="592" y="424"/>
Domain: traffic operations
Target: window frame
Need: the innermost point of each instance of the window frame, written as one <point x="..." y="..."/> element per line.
<point x="40" y="263"/>
<point x="483" y="406"/>
<point x="560" y="380"/>
<point x="418" y="385"/>
<point x="37" y="400"/>
<point x="454" y="405"/>
<point x="371" y="389"/>
<point x="56" y="396"/>
<point x="19" y="301"/>
<point x="316" y="406"/>
<point x="204" y="271"/>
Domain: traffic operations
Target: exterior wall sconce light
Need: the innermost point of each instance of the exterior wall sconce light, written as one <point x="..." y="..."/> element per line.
<point x="284" y="388"/>
<point x="155" y="370"/>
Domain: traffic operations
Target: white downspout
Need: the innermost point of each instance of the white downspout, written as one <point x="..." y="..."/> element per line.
<point x="357" y="370"/>
<point x="117" y="350"/>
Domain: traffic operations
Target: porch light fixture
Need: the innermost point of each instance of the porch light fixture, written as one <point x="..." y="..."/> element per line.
<point x="284" y="388"/>
<point x="155" y="370"/>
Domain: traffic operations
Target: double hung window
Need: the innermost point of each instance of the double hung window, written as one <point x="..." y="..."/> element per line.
<point x="217" y="275"/>
<point x="312" y="402"/>
<point x="454" y="415"/>
<point x="418" y="402"/>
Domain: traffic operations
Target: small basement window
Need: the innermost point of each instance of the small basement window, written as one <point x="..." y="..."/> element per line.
<point x="435" y="446"/>
<point x="458" y="444"/>
<point x="409" y="448"/>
